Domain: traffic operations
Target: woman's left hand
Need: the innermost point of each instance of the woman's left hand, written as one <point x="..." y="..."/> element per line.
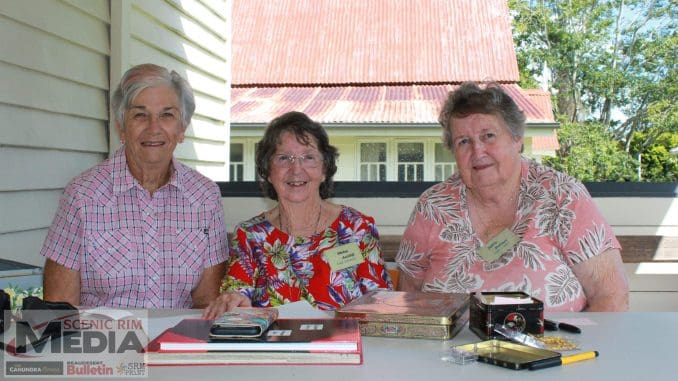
<point x="225" y="302"/>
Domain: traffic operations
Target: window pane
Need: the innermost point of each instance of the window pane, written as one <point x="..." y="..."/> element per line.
<point x="410" y="172"/>
<point x="410" y="161"/>
<point x="237" y="152"/>
<point x="444" y="163"/>
<point x="442" y="154"/>
<point x="411" y="152"/>
<point x="254" y="160"/>
<point x="372" y="152"/>
<point x="236" y="172"/>
<point x="236" y="164"/>
<point x="373" y="172"/>
<point x="373" y="161"/>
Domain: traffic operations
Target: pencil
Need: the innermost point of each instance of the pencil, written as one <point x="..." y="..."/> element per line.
<point x="564" y="360"/>
<point x="578" y="357"/>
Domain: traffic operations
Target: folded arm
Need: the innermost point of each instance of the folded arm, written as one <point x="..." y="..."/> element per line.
<point x="604" y="281"/>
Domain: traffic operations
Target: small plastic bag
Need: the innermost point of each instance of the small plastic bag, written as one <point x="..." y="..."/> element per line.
<point x="458" y="356"/>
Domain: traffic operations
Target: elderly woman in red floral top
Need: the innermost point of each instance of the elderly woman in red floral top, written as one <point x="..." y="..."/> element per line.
<point x="305" y="248"/>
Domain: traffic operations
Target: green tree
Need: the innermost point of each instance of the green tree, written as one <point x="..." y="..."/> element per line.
<point x="588" y="153"/>
<point x="612" y="62"/>
<point x="657" y="163"/>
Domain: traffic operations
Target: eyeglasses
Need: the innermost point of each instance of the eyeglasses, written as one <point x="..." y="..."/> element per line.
<point x="287" y="161"/>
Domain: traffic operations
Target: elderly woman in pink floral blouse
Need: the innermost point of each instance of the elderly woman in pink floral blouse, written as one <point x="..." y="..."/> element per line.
<point x="504" y="223"/>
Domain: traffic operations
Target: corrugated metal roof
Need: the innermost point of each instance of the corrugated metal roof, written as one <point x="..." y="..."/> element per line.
<point x="545" y="143"/>
<point x="371" y="61"/>
<point x="541" y="99"/>
<point x="417" y="104"/>
<point x="371" y="42"/>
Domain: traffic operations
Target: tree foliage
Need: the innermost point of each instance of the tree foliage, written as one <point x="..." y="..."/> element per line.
<point x="609" y="64"/>
<point x="657" y="163"/>
<point x="588" y="152"/>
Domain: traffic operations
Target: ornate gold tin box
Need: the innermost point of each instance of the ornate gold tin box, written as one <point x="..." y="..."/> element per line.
<point x="409" y="314"/>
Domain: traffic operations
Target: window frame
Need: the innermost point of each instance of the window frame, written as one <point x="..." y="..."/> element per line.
<point x="358" y="156"/>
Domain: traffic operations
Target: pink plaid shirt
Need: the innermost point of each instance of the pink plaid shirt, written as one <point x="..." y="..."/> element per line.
<point x="133" y="249"/>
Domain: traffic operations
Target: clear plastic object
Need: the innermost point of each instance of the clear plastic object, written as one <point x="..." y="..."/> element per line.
<point x="458" y="356"/>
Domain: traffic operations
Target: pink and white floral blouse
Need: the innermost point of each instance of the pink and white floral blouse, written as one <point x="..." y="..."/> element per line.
<point x="557" y="221"/>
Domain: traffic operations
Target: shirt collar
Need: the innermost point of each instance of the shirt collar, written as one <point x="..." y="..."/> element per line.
<point x="124" y="181"/>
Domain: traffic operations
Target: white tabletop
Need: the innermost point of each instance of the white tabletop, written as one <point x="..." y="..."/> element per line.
<point x="632" y="346"/>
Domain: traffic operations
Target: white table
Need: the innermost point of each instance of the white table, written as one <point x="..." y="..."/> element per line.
<point x="632" y="346"/>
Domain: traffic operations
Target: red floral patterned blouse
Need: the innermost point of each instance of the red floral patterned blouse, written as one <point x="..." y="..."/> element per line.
<point x="272" y="267"/>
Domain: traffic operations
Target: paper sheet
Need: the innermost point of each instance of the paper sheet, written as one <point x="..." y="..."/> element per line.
<point x="302" y="310"/>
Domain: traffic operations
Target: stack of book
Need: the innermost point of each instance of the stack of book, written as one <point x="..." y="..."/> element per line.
<point x="285" y="341"/>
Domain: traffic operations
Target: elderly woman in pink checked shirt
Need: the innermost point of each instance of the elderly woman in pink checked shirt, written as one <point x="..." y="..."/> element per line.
<point x="140" y="229"/>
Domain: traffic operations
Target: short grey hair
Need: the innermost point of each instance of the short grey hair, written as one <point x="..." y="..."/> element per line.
<point x="141" y="77"/>
<point x="469" y="99"/>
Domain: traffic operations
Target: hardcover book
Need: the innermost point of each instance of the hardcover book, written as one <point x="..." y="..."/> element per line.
<point x="410" y="314"/>
<point x="254" y="358"/>
<point x="287" y="341"/>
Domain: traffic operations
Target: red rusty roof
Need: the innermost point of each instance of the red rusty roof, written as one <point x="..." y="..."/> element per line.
<point x="418" y="104"/>
<point x="541" y="99"/>
<point x="545" y="143"/>
<point x="369" y="61"/>
<point x="324" y="42"/>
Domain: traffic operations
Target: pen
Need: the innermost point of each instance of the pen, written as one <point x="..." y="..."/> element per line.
<point x="551" y="325"/>
<point x="564" y="360"/>
<point x="569" y="327"/>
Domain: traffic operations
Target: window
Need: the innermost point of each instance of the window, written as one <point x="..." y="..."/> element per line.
<point x="410" y="161"/>
<point x="237" y="164"/>
<point x="443" y="165"/>
<point x="373" y="161"/>
<point x="387" y="159"/>
<point x="254" y="162"/>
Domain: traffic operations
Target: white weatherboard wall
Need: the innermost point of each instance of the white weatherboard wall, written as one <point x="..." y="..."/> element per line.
<point x="58" y="59"/>
<point x="53" y="111"/>
<point x="191" y="37"/>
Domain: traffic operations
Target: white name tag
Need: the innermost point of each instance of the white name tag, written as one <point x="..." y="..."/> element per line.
<point x="343" y="256"/>
<point x="498" y="245"/>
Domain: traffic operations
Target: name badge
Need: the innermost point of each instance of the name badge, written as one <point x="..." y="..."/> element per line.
<point x="344" y="256"/>
<point x="498" y="245"/>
